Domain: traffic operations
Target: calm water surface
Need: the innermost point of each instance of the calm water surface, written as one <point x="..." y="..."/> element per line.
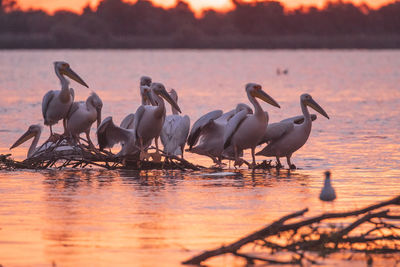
<point x="159" y="218"/>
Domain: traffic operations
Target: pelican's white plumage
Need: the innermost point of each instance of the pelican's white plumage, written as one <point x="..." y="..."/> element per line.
<point x="246" y="130"/>
<point x="82" y="115"/>
<point x="148" y="122"/>
<point x="33" y="151"/>
<point x="286" y="137"/>
<point x="209" y="131"/>
<point x="327" y="192"/>
<point x="175" y="130"/>
<point x="56" y="104"/>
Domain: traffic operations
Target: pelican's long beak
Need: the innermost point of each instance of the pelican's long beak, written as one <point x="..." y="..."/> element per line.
<point x="265" y="97"/>
<point x="25" y="137"/>
<point x="71" y="74"/>
<point x="311" y="103"/>
<point x="168" y="98"/>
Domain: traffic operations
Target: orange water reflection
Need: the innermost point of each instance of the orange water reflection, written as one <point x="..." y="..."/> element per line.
<point x="103" y="218"/>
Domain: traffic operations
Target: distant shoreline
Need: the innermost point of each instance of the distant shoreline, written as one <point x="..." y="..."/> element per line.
<point x="47" y="41"/>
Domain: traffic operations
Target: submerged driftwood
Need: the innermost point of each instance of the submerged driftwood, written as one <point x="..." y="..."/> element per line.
<point x="62" y="155"/>
<point x="369" y="231"/>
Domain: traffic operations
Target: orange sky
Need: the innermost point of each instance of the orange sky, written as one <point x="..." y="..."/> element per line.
<point x="197" y="5"/>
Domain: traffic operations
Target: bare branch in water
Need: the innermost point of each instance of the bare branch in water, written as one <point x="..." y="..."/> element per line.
<point x="318" y="237"/>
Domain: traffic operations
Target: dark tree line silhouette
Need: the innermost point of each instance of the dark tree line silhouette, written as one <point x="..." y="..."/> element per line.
<point x="260" y="24"/>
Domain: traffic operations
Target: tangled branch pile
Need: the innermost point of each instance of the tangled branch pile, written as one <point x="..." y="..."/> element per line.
<point x="369" y="231"/>
<point x="62" y="155"/>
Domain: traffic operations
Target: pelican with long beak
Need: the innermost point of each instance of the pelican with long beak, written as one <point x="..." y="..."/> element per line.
<point x="56" y="104"/>
<point x="246" y="130"/>
<point x="34" y="131"/>
<point x="286" y="137"/>
<point x="82" y="115"/>
<point x="175" y="130"/>
<point x="149" y="120"/>
<point x="148" y="123"/>
<point x="209" y="131"/>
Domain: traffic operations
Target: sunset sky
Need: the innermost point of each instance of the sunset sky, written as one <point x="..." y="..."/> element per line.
<point x="197" y="5"/>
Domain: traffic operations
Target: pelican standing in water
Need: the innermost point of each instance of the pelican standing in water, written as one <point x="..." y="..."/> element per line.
<point x="35" y="131"/>
<point x="327" y="192"/>
<point x="209" y="129"/>
<point x="286" y="137"/>
<point x="149" y="120"/>
<point x="82" y="115"/>
<point x="175" y="130"/>
<point x="145" y="83"/>
<point x="148" y="123"/>
<point x="108" y="134"/>
<point x="56" y="104"/>
<point x="246" y="130"/>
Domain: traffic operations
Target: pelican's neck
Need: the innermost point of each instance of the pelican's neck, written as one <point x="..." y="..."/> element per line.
<point x="306" y="113"/>
<point x="160" y="110"/>
<point x="65" y="94"/>
<point x="32" y="148"/>
<point x="258" y="111"/>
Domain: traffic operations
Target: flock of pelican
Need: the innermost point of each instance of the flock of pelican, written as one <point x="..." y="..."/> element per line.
<point x="216" y="134"/>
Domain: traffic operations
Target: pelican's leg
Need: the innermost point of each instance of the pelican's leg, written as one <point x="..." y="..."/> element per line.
<point x="291" y="166"/>
<point x="156" y="156"/>
<point x="238" y="160"/>
<point x="182" y="148"/>
<point x="278" y="163"/>
<point x="143" y="154"/>
<point x="51" y="131"/>
<point x="89" y="140"/>
<point x="253" y="164"/>
<point x="65" y="126"/>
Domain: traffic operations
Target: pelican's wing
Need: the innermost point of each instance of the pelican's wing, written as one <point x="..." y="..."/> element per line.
<point x="232" y="126"/>
<point x="72" y="92"/>
<point x="46" y="101"/>
<point x="74" y="107"/>
<point x="127" y="122"/>
<point x="200" y="124"/>
<point x="174" y="133"/>
<point x="276" y="130"/>
<point x="299" y="119"/>
<point x="108" y="134"/>
<point x="138" y="116"/>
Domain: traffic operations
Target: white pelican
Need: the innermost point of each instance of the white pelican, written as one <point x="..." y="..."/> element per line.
<point x="286" y="137"/>
<point x="145" y="83"/>
<point x="246" y="130"/>
<point x="327" y="192"/>
<point x="56" y="104"/>
<point x="82" y="115"/>
<point x="148" y="123"/>
<point x="149" y="120"/>
<point x="35" y="131"/>
<point x="175" y="130"/>
<point x="209" y="129"/>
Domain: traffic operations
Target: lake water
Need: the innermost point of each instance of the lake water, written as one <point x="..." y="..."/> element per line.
<point x="160" y="218"/>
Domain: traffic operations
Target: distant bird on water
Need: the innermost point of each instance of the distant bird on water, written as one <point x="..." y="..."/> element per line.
<point x="327" y="192"/>
<point x="56" y="104"/>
